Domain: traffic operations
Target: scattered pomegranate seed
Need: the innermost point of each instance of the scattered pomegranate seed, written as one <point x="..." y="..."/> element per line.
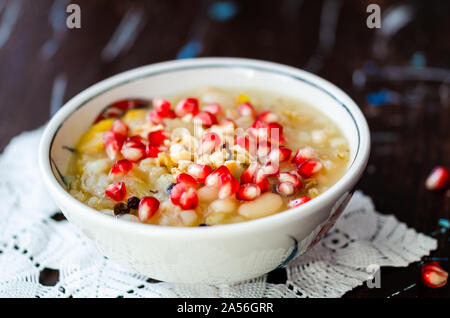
<point x="271" y="168"/>
<point x="162" y="107"/>
<point x="133" y="149"/>
<point x="303" y="154"/>
<point x="155" y="119"/>
<point x="153" y="151"/>
<point x="147" y="208"/>
<point x="299" y="201"/>
<point x="248" y="192"/>
<point x="157" y="137"/>
<point x="259" y="130"/>
<point x="120" y="127"/>
<point x="228" y="122"/>
<point x="121" y="167"/>
<point x="260" y="179"/>
<point x="249" y="173"/>
<point x="214" y="109"/>
<point x="269" y="117"/>
<point x="438" y="178"/>
<point x="280" y="154"/>
<point x="277" y="140"/>
<point x="433" y="275"/>
<point x="206" y="119"/>
<point x="309" y="168"/>
<point x="263" y="150"/>
<point x="275" y="129"/>
<point x="247" y="143"/>
<point x="187" y="106"/>
<point x="289" y="177"/>
<point x="187" y="180"/>
<point x="209" y="142"/>
<point x="199" y="172"/>
<point x="228" y="185"/>
<point x="184" y="196"/>
<point x="116" y="191"/>
<point x="213" y="178"/>
<point x="127" y="104"/>
<point x="113" y="144"/>
<point x="246" y="109"/>
<point x="286" y="188"/>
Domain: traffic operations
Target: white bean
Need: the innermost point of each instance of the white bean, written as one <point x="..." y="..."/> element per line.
<point x="188" y="217"/>
<point x="227" y="205"/>
<point x="207" y="194"/>
<point x="266" y="204"/>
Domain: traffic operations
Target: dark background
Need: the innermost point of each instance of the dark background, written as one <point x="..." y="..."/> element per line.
<point x="399" y="75"/>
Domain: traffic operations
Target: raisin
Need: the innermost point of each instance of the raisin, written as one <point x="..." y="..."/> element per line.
<point x="203" y="224"/>
<point x="133" y="203"/>
<point x="121" y="208"/>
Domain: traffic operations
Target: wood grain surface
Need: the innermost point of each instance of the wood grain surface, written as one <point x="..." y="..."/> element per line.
<point x="399" y="75"/>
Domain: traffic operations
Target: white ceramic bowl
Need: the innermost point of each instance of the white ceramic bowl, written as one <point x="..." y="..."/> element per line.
<point x="215" y="254"/>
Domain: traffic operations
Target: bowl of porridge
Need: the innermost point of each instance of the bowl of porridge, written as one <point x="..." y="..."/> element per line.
<point x="211" y="170"/>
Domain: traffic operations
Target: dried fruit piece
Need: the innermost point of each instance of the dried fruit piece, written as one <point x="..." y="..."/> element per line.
<point x="199" y="172"/>
<point x="214" y="109"/>
<point x="162" y="107"/>
<point x="187" y="180"/>
<point x="205" y="119"/>
<point x="433" y="275"/>
<point x="309" y="168"/>
<point x="213" y="178"/>
<point x="246" y="109"/>
<point x="133" y="149"/>
<point x="268" y="117"/>
<point x="133" y="202"/>
<point x="299" y="201"/>
<point x="304" y="154"/>
<point x="116" y="191"/>
<point x="157" y="137"/>
<point x="120" y="127"/>
<point x="147" y="208"/>
<point x="248" y="192"/>
<point x="228" y="185"/>
<point x="113" y="144"/>
<point x="209" y="142"/>
<point x="187" y="106"/>
<point x="121" y="167"/>
<point x="121" y="208"/>
<point x="438" y="178"/>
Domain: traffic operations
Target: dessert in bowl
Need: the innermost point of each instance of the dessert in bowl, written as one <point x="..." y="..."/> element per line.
<point x="263" y="154"/>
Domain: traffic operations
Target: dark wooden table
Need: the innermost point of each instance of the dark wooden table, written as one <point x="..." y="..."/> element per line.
<point x="399" y="75"/>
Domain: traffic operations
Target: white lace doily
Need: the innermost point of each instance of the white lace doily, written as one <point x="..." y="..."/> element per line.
<point x="33" y="245"/>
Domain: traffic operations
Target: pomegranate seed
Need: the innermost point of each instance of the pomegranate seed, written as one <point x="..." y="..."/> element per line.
<point x="228" y="185"/>
<point x="187" y="106"/>
<point x="309" y="168"/>
<point x="214" y="109"/>
<point x="249" y="173"/>
<point x="127" y="104"/>
<point x="299" y="201"/>
<point x="263" y="150"/>
<point x="438" y="178"/>
<point x="121" y="167"/>
<point x="289" y="177"/>
<point x="205" y="119"/>
<point x="157" y="137"/>
<point x="161" y="107"/>
<point x="260" y="179"/>
<point x="188" y="180"/>
<point x="269" y="117"/>
<point x="277" y="140"/>
<point x="184" y="196"/>
<point x="113" y="144"/>
<point x="153" y="151"/>
<point x="133" y="149"/>
<point x="247" y="143"/>
<point x="199" y="172"/>
<point x="228" y="122"/>
<point x="275" y="129"/>
<point x="248" y="192"/>
<point x="147" y="208"/>
<point x="271" y="168"/>
<point x="280" y="154"/>
<point x="433" y="275"/>
<point x="209" y="142"/>
<point x="120" y="127"/>
<point x="155" y="119"/>
<point x="304" y="154"/>
<point x="286" y="188"/>
<point x="116" y="191"/>
<point x="213" y="178"/>
<point x="246" y="109"/>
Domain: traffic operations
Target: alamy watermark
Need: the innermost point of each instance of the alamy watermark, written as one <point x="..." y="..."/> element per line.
<point x="73" y="20"/>
<point x="374" y="19"/>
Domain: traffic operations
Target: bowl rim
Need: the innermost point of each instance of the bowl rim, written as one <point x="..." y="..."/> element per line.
<point x="345" y="183"/>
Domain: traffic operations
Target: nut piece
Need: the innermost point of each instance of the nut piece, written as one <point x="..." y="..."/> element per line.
<point x="267" y="204"/>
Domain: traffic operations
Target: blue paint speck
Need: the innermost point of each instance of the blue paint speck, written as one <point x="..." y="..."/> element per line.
<point x="222" y="10"/>
<point x="379" y="98"/>
<point x="418" y="60"/>
<point x="444" y="223"/>
<point x="192" y="49"/>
